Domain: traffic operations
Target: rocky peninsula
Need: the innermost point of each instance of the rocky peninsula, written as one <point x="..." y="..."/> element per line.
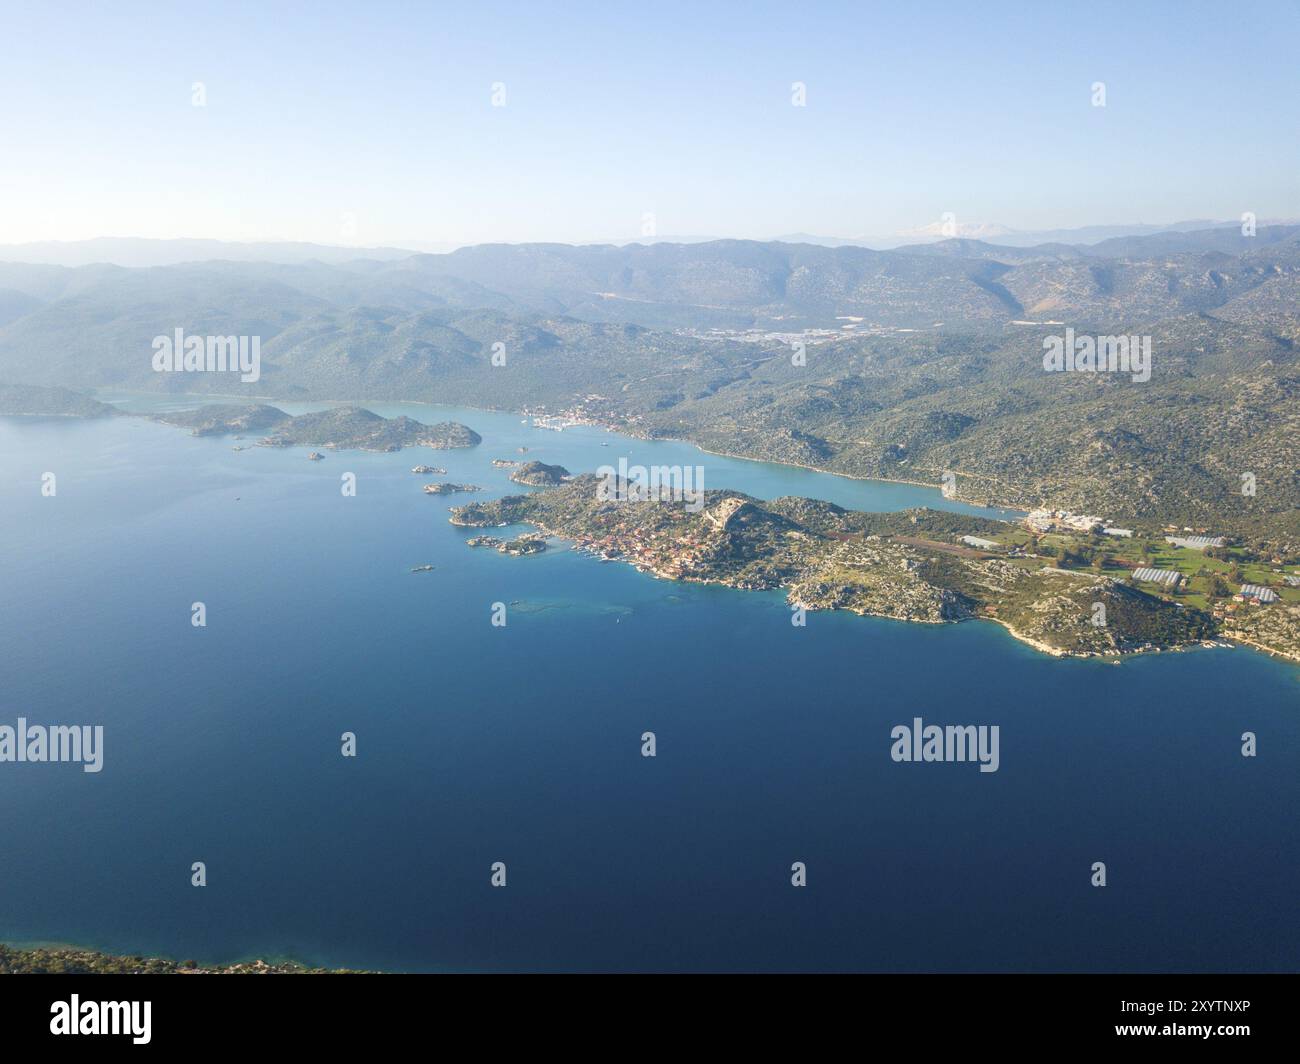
<point x="913" y="565"/>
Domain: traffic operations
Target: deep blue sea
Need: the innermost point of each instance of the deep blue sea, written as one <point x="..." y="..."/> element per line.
<point x="521" y="744"/>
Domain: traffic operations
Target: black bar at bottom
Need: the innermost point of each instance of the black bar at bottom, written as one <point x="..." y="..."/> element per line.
<point x="302" y="1012"/>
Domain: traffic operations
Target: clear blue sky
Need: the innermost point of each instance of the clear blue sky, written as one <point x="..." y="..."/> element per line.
<point x="381" y="113"/>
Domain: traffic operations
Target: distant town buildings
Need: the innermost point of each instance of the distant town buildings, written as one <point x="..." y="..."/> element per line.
<point x="1053" y="520"/>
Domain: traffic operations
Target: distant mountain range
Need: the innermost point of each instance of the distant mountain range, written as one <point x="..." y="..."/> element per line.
<point x="991" y="232"/>
<point x="919" y="360"/>
<point x="139" y="252"/>
<point x="52" y="315"/>
<point x="1021" y="238"/>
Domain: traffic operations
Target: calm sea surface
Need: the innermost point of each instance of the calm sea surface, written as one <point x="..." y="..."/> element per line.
<point x="521" y="744"/>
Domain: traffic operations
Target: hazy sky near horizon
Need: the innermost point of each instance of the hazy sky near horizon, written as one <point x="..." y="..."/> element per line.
<point x="374" y="123"/>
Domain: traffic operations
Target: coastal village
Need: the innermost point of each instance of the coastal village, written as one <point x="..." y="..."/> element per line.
<point x="1040" y="576"/>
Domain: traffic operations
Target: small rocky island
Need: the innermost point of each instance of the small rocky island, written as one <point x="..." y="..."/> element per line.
<point x="540" y="475"/>
<point x="449" y="489"/>
<point x="339" y="428"/>
<point x="225" y="419"/>
<point x="429" y="470"/>
<point x="528" y="543"/>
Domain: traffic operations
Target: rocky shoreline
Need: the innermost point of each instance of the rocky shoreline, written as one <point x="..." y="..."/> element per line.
<point x="879" y="565"/>
<point x="76" y="960"/>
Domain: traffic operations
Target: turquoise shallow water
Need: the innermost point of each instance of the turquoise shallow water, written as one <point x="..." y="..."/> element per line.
<point x="522" y="744"/>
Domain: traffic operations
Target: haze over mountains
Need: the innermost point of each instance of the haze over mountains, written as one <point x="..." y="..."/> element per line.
<point x="962" y="283"/>
<point x="918" y="360"/>
<point x="135" y="251"/>
<point x="1008" y="237"/>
